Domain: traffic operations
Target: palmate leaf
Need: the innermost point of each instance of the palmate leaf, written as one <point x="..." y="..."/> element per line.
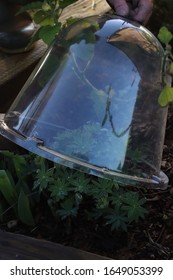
<point x="134" y="207"/>
<point x="80" y="182"/>
<point x="102" y="202"/>
<point x="132" y="198"/>
<point x="43" y="178"/>
<point x="59" y="189"/>
<point x="134" y="212"/>
<point x="117" y="198"/>
<point x="68" y="209"/>
<point x="100" y="187"/>
<point x="24" y="210"/>
<point x="118" y="221"/>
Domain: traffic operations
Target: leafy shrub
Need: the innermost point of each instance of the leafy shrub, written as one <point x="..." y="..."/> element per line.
<point x="15" y="192"/>
<point x="70" y="194"/>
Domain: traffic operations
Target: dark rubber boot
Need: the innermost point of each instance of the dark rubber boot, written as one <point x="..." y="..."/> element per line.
<point x="16" y="31"/>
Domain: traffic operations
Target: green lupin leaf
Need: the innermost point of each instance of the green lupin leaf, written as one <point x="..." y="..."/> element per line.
<point x="117" y="220"/>
<point x="68" y="209"/>
<point x="134" y="206"/>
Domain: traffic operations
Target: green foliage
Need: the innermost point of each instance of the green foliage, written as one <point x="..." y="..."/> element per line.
<point x="68" y="209"/>
<point x="43" y="175"/>
<point x="70" y="194"/>
<point x="117" y="220"/>
<point x="134" y="206"/>
<point x="7" y="188"/>
<point x="59" y="189"/>
<point x="15" y="192"/>
<point x="24" y="211"/>
<point x="166" y="96"/>
<point x="46" y="15"/>
<point x="165" y="36"/>
<point x="127" y="207"/>
<point x="48" y="33"/>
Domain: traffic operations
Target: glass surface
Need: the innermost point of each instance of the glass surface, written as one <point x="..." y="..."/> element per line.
<point x="92" y="102"/>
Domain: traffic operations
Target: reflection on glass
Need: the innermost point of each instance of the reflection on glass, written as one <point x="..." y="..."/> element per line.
<point x="93" y="98"/>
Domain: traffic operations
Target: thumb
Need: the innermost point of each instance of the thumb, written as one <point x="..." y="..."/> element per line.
<point x="120" y="6"/>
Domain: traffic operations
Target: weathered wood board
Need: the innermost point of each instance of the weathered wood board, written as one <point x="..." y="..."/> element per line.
<point x="19" y="247"/>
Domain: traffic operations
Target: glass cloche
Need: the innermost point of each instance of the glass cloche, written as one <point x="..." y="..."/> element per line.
<point x="92" y="102"/>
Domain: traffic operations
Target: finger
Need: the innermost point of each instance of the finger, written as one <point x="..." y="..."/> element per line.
<point x="120" y="6"/>
<point x="143" y="11"/>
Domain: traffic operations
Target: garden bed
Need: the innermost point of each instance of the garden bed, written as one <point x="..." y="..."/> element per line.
<point x="150" y="238"/>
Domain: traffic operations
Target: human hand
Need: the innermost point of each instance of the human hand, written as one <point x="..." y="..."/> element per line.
<point x="138" y="10"/>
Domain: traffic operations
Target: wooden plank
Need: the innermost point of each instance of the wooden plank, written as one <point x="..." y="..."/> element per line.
<point x="84" y="8"/>
<point x="13" y="65"/>
<point x="19" y="247"/>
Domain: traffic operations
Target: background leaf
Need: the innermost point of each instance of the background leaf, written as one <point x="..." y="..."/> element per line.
<point x="24" y="210"/>
<point x="165" y="36"/>
<point x="7" y="188"/>
<point x="31" y="6"/>
<point x="166" y="96"/>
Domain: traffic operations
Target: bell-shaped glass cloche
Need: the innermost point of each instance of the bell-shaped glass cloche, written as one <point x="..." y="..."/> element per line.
<point x="92" y="102"/>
